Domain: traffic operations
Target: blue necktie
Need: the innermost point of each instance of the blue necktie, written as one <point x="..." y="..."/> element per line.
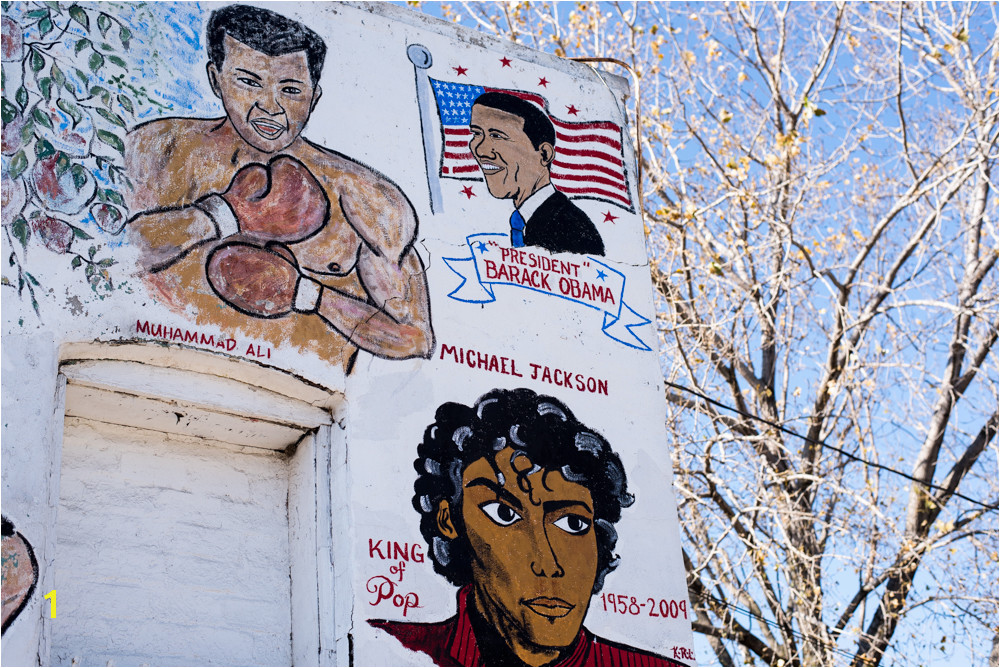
<point x="516" y="229"/>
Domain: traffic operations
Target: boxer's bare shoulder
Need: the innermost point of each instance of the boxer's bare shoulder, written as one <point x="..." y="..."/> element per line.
<point x="171" y="159"/>
<point x="159" y="142"/>
<point x="373" y="204"/>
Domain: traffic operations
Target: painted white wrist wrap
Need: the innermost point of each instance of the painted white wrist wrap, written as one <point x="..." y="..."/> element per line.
<point x="307" y="294"/>
<point x="218" y="209"/>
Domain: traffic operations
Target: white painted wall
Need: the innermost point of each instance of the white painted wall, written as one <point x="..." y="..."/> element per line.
<point x="170" y="552"/>
<point x="172" y="548"/>
<point x="32" y="407"/>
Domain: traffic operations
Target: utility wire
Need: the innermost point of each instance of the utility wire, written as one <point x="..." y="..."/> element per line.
<point x="861" y="460"/>
<point x="638" y="109"/>
<point x="774" y="624"/>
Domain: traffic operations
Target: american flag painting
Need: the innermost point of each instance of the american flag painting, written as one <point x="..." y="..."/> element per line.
<point x="589" y="161"/>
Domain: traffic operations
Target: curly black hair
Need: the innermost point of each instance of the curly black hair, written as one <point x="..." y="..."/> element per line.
<point x="541" y="428"/>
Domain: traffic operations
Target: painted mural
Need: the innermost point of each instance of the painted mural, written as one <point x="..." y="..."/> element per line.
<point x="295" y="185"/>
<point x="65" y="104"/>
<point x="238" y="208"/>
<point x="513" y="142"/>
<point x="239" y="220"/>
<point x="20" y="573"/>
<point x="518" y="502"/>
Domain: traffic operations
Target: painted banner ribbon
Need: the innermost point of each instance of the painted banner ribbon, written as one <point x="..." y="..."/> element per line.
<point x="578" y="278"/>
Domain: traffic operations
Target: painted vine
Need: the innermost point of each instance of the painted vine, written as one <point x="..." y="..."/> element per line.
<point x="68" y="99"/>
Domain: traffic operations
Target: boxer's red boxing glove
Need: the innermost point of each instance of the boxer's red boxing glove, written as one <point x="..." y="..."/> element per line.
<point x="262" y="282"/>
<point x="282" y="201"/>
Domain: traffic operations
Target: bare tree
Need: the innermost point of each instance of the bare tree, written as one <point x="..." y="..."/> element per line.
<point x="820" y="188"/>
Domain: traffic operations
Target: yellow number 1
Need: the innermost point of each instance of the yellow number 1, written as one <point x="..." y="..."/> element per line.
<point x="52" y="603"/>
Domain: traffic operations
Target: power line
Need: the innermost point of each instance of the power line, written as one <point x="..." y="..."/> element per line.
<point x="860" y="460"/>
<point x="772" y="623"/>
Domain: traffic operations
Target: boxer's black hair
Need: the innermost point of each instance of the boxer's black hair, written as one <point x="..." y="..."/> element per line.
<point x="537" y="125"/>
<point x="263" y="30"/>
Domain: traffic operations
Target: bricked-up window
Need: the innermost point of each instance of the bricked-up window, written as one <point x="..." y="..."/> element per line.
<point x="187" y="525"/>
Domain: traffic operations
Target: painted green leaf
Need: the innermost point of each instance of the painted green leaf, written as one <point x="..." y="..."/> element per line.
<point x="9" y="110"/>
<point x="97" y="90"/>
<point x="36" y="14"/>
<point x="124" y="34"/>
<point x="77" y="13"/>
<point x="74" y="111"/>
<point x="5" y="5"/>
<point x="126" y="103"/>
<point x="21" y="231"/>
<point x="62" y="164"/>
<point x="57" y="75"/>
<point x="45" y="86"/>
<point x="79" y="176"/>
<point x="113" y="118"/>
<point x="89" y="271"/>
<point x="21" y="97"/>
<point x="77" y="261"/>
<point x="18" y="164"/>
<point x="45" y="26"/>
<point x="113" y="196"/>
<point x="53" y="5"/>
<point x="43" y="149"/>
<point x="92" y="251"/>
<point x="28" y="132"/>
<point x="80" y="234"/>
<point x="111" y="140"/>
<point x="106" y="262"/>
<point x="82" y="44"/>
<point x="118" y="61"/>
<point x="31" y="278"/>
<point x="36" y="61"/>
<point x="104" y="23"/>
<point x="41" y="117"/>
<point x="96" y="61"/>
<point x="107" y="47"/>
